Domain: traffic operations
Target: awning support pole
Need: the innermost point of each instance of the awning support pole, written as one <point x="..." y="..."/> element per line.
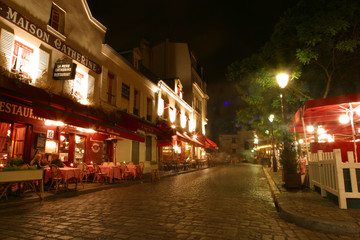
<point x="353" y="130"/>
<point x="304" y="128"/>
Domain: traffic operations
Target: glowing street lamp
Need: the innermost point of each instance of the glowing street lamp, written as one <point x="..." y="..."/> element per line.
<point x="282" y="79"/>
<point x="271" y="119"/>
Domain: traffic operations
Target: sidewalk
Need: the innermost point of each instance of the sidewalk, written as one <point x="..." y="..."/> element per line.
<point x="85" y="188"/>
<point x="308" y="209"/>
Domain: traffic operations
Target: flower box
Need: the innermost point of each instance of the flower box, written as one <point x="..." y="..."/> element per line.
<point x="20" y="175"/>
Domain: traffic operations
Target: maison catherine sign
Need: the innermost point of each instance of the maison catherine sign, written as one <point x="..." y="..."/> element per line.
<point x="19" y="20"/>
<point x="64" y="71"/>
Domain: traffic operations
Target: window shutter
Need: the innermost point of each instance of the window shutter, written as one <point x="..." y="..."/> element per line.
<point x="104" y="85"/>
<point x="7" y="41"/>
<point x="43" y="62"/>
<point x="91" y="88"/>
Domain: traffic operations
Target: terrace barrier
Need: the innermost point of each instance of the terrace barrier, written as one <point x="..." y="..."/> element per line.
<point x="328" y="173"/>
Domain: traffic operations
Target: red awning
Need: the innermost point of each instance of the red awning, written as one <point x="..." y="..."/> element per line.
<point x="210" y="144"/>
<point x="326" y="113"/>
<point x="78" y="120"/>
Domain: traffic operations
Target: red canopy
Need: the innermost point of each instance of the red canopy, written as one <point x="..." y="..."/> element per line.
<point x="326" y="113"/>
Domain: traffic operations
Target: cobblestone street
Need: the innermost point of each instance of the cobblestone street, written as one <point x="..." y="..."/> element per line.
<point x="224" y="202"/>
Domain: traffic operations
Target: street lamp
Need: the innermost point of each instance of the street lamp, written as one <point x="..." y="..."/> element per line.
<point x="283" y="80"/>
<point x="271" y="119"/>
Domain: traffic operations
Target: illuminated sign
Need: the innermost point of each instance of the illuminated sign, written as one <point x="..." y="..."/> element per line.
<point x="64" y="71"/>
<point x="16" y="18"/>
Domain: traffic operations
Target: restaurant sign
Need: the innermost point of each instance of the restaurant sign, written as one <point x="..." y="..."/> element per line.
<point x="64" y="71"/>
<point x="16" y="18"/>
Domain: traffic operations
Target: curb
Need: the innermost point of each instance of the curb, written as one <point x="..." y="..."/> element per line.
<point x="346" y="228"/>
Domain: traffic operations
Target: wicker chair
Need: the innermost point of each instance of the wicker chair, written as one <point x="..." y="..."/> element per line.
<point x="56" y="179"/>
<point x="98" y="175"/>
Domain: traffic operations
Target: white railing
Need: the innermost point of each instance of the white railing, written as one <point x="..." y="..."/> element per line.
<point x="326" y="171"/>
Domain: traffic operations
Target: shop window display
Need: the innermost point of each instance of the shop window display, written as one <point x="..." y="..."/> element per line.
<point x="5" y="140"/>
<point x="79" y="148"/>
<point x="64" y="147"/>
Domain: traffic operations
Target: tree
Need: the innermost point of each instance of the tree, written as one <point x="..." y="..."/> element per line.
<point x="318" y="43"/>
<point x="324" y="37"/>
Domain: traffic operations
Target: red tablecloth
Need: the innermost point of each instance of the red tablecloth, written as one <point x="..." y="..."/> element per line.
<point x="67" y="173"/>
<point x="111" y="171"/>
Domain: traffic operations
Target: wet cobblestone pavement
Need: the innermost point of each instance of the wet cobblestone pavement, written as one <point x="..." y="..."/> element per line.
<point x="224" y="202"/>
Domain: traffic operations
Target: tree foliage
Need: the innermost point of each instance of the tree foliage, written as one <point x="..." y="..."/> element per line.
<point x="318" y="44"/>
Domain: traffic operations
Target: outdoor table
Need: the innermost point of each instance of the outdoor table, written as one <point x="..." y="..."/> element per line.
<point x="67" y="174"/>
<point x="111" y="171"/>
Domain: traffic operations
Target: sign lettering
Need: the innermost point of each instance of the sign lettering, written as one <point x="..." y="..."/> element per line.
<point x="16" y="18"/>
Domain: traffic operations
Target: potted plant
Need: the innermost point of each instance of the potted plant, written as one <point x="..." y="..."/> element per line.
<point x="289" y="162"/>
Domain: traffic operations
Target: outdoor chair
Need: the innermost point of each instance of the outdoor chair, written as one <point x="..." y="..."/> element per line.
<point x="56" y="179"/>
<point x="140" y="169"/>
<point x="84" y="172"/>
<point x="98" y="175"/>
<point x="125" y="171"/>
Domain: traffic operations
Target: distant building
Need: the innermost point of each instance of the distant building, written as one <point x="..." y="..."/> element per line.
<point x="236" y="143"/>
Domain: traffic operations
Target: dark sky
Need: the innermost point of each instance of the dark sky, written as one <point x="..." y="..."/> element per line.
<point x="218" y="32"/>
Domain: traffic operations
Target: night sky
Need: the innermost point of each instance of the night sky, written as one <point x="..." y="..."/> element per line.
<point x="218" y="32"/>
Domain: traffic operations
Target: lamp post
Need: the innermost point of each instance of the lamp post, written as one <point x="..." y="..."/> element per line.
<point x="283" y="80"/>
<point x="271" y="119"/>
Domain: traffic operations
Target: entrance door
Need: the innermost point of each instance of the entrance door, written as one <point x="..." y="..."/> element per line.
<point x="148" y="148"/>
<point x="19" y="140"/>
<point x="135" y="152"/>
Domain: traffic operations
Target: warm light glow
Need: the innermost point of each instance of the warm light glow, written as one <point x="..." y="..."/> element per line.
<point x="282" y="79"/>
<point x="50" y="146"/>
<point x="263" y="146"/>
<point x="183" y="120"/>
<point x="310" y="128"/>
<point x="8" y="133"/>
<point x="321" y="130"/>
<point x="77" y="139"/>
<point x="173" y="126"/>
<point x="86" y="130"/>
<point x="256" y="140"/>
<point x="177" y="149"/>
<point x="53" y="123"/>
<point x="62" y="138"/>
<point x="80" y="86"/>
<point x="344" y="119"/>
<point x="160" y="109"/>
<point x="326" y="138"/>
<point x="192" y="125"/>
<point x="267" y="132"/>
<point x="271" y="118"/>
<point x="301" y="141"/>
<point x="71" y="164"/>
<point x="155" y="89"/>
<point x="357" y="110"/>
<point x="172" y="113"/>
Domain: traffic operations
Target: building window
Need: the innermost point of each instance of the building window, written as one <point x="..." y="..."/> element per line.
<point x="80" y="87"/>
<point x="136" y="102"/>
<point x="22" y="63"/>
<point x="57" y="19"/>
<point x="148" y="109"/>
<point x="111" y="89"/>
<point x="233" y="140"/>
<point x="125" y="91"/>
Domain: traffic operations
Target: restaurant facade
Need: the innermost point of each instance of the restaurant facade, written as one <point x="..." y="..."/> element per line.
<point x="63" y="91"/>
